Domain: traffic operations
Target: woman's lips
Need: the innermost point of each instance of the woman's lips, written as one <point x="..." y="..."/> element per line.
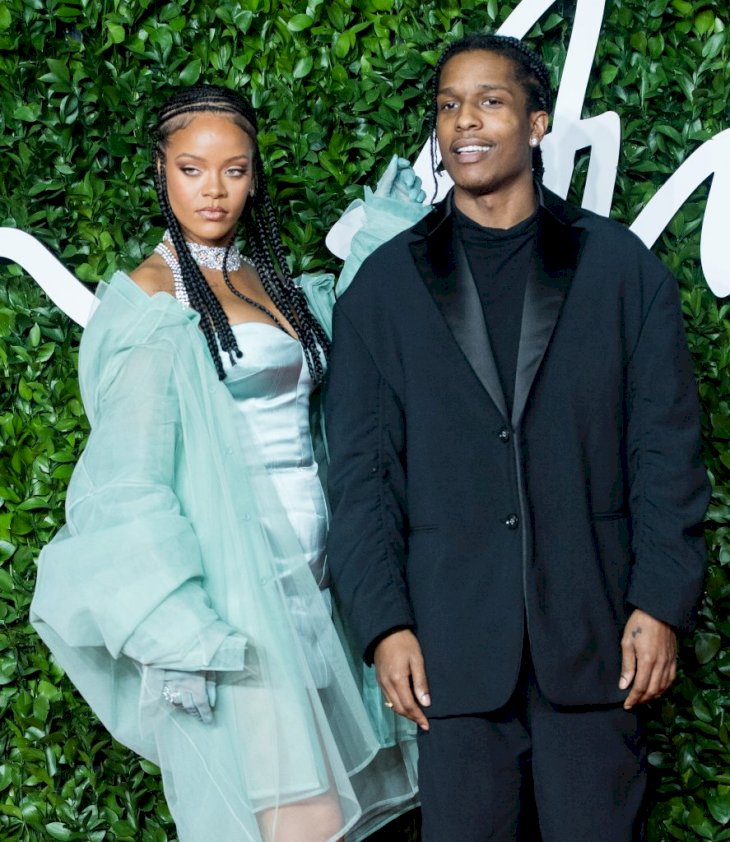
<point x="212" y="214"/>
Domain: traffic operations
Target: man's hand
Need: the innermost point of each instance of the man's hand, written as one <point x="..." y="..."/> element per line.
<point x="401" y="675"/>
<point x="649" y="658"/>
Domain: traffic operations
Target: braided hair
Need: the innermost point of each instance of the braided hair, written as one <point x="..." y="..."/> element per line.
<point x="258" y="225"/>
<point x="529" y="69"/>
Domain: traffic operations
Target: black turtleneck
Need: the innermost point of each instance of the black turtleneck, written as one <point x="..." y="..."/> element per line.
<point x="500" y="260"/>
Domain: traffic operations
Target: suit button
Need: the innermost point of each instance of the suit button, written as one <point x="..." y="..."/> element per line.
<point x="512" y="522"/>
<point x="504" y="435"/>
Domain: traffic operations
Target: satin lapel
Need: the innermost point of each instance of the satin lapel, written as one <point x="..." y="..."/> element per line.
<point x="441" y="260"/>
<point x="556" y="258"/>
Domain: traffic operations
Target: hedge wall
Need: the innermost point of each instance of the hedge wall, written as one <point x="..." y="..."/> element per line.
<point x="339" y="85"/>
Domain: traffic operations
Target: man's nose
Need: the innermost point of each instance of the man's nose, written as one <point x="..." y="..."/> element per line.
<point x="468" y="117"/>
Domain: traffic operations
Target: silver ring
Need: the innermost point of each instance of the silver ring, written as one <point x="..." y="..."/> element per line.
<point x="388" y="704"/>
<point x="171" y="698"/>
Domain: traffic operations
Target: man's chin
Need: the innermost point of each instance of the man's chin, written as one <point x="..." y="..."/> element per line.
<point x="475" y="189"/>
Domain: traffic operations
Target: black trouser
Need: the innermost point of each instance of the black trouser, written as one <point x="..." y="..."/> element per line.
<point x="578" y="772"/>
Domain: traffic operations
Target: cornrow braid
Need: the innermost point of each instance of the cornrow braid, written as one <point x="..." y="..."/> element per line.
<point x="259" y="227"/>
<point x="530" y="72"/>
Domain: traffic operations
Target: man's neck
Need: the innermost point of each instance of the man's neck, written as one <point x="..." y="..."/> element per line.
<point x="500" y="209"/>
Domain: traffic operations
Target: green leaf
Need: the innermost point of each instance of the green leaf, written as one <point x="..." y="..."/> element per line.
<point x="191" y="73"/>
<point x="302" y="68"/>
<point x="116" y="33"/>
<point x="609" y="73"/>
<point x="683" y="7"/>
<point x="707" y="645"/>
<point x="299" y="23"/>
<point x="719" y="807"/>
<point x="34" y="337"/>
<point x="704" y="22"/>
<point x="58" y="830"/>
<point x="6" y="551"/>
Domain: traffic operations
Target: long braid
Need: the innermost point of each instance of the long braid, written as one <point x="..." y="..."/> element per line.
<point x="530" y="71"/>
<point x="258" y="224"/>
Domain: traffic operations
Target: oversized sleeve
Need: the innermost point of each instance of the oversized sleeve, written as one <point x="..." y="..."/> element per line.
<point x="366" y="547"/>
<point x="126" y="572"/>
<point x="669" y="489"/>
<point x="383" y="218"/>
<point x="375" y="220"/>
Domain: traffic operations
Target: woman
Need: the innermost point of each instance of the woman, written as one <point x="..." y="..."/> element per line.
<point x="182" y="596"/>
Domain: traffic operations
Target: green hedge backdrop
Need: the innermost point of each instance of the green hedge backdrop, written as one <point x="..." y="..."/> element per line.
<point x="339" y="86"/>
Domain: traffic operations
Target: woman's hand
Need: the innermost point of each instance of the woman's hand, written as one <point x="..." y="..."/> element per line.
<point x="400" y="182"/>
<point x="194" y="692"/>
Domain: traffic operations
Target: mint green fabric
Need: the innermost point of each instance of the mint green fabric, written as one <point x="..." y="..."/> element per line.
<point x="384" y="218"/>
<point x="164" y="564"/>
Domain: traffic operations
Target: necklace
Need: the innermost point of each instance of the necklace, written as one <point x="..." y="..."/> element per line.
<point x="212" y="257"/>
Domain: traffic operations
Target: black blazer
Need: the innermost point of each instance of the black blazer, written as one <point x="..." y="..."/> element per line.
<point x="468" y="525"/>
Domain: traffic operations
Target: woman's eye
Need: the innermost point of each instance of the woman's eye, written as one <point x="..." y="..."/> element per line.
<point x="236" y="172"/>
<point x="189" y="170"/>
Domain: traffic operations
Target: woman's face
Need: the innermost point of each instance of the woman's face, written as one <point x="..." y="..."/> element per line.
<point x="209" y="169"/>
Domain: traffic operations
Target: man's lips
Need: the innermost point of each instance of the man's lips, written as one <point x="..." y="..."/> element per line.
<point x="212" y="214"/>
<point x="470" y="150"/>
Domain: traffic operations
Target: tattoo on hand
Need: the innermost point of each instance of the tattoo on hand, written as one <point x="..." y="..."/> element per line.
<point x="636" y="632"/>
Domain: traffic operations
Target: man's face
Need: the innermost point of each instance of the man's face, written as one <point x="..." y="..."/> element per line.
<point x="483" y="126"/>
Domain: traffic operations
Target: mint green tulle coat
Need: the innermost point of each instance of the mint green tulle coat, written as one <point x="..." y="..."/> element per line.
<point x="164" y="564"/>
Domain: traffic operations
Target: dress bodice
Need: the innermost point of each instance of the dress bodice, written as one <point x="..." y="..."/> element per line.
<point x="271" y="386"/>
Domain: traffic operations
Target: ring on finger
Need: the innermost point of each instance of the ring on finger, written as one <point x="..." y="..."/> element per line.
<point x="172" y="698"/>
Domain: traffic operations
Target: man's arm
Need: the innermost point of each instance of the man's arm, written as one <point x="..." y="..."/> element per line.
<point x="668" y="498"/>
<point x="367" y="546"/>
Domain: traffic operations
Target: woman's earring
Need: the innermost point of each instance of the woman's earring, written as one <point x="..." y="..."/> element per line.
<point x="534" y="141"/>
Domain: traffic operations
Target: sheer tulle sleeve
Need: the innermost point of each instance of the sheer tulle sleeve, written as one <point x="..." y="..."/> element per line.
<point x="384" y="217"/>
<point x="178" y="553"/>
<point x="127" y="571"/>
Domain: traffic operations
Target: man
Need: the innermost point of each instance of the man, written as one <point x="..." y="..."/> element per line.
<point x="515" y="478"/>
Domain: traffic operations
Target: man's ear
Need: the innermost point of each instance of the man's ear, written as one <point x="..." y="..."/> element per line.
<point x="539" y="124"/>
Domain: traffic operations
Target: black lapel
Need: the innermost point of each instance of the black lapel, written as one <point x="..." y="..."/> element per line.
<point x="556" y="257"/>
<point x="443" y="265"/>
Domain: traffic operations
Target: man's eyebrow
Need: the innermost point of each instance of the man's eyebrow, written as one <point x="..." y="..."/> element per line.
<point x="485" y="87"/>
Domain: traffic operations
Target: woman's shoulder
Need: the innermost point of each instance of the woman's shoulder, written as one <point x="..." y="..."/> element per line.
<point x="153" y="275"/>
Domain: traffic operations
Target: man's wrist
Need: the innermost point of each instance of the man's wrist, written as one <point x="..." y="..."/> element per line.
<point x="369" y="654"/>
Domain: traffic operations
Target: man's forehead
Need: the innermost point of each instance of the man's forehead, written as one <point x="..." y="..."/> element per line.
<point x="478" y="68"/>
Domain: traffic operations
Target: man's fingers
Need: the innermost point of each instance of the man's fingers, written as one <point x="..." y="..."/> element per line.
<point x="420" y="684"/>
<point x="628" y="664"/>
<point x="398" y="690"/>
<point x="400" y="670"/>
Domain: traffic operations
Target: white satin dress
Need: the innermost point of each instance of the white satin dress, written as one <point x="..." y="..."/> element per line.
<point x="271" y="386"/>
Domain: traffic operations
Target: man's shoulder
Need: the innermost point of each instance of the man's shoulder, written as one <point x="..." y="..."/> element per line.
<point x="595" y="225"/>
<point x="607" y="242"/>
<point x="385" y="269"/>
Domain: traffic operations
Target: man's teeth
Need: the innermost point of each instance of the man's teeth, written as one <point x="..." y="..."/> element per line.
<point x="473" y="148"/>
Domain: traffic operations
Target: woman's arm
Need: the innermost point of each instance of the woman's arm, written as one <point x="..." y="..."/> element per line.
<point x="126" y="573"/>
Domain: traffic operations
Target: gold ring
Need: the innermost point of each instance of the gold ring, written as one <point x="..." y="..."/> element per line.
<point x="388" y="704"/>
